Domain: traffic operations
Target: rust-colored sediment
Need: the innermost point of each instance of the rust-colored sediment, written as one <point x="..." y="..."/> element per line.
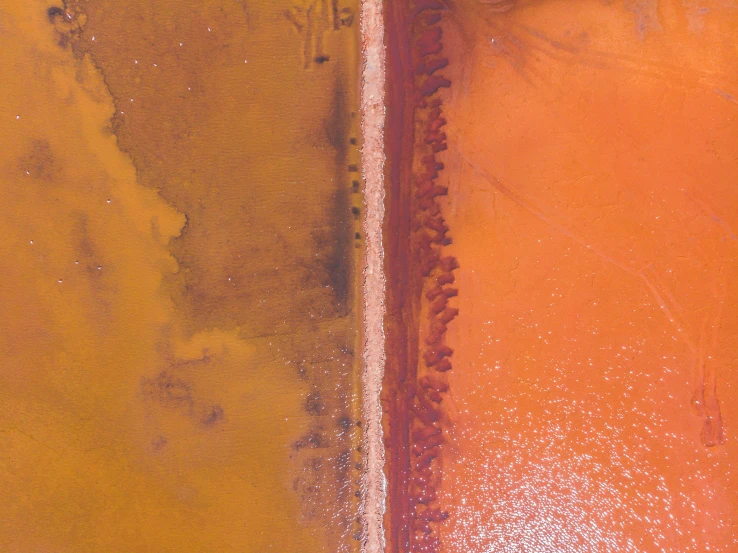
<point x="419" y="275"/>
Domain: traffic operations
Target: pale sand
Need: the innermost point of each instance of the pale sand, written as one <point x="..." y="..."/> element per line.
<point x="373" y="115"/>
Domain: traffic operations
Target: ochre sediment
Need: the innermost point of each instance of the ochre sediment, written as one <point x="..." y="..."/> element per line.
<point x="180" y="220"/>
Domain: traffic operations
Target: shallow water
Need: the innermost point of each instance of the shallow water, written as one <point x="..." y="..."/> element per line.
<point x="583" y="398"/>
<point x="180" y="203"/>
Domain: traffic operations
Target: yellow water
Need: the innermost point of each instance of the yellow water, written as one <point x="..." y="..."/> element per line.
<point x="178" y="313"/>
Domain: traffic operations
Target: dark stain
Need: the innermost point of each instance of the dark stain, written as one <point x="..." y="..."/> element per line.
<point x="322" y="59"/>
<point x="53" y="12"/>
<point x="312" y="440"/>
<point x="87" y="250"/>
<point x="346" y="17"/>
<point x="336" y="18"/>
<point x="159" y="443"/>
<point x="338" y="123"/>
<point x="204" y="361"/>
<point x="87" y="259"/>
<point x="344" y="423"/>
<point x="39" y="162"/>
<point x="168" y="390"/>
<point x="68" y="28"/>
<point x="333" y="261"/>
<point x="314" y="404"/>
<point x="214" y="416"/>
<point x="84" y="247"/>
<point x="310" y="485"/>
<point x="334" y="243"/>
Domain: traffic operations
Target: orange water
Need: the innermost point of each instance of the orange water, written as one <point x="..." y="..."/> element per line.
<point x="593" y="404"/>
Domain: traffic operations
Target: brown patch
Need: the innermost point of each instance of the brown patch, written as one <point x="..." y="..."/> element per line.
<point x="39" y="163"/>
<point x="214" y="416"/>
<point x="168" y="390"/>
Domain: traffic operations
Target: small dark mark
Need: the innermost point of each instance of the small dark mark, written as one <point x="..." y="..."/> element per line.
<point x="357" y="535"/>
<point x="358" y="423"/>
<point x="167" y="389"/>
<point x="159" y="443"/>
<point x="352" y="141"/>
<point x="330" y="266"/>
<point x="355" y="185"/>
<point x="358" y="466"/>
<point x="358" y="493"/>
<point x="336" y="20"/>
<point x="39" y="162"/>
<point x="312" y="441"/>
<point x="54" y="11"/>
<point x="344" y="423"/>
<point x="322" y="59"/>
<point x="346" y="17"/>
<point x="356" y="212"/>
<point x="353" y="168"/>
<point x="358" y="448"/>
<point x="725" y="95"/>
<point x="314" y="404"/>
<point x="357" y="236"/>
<point x="214" y="416"/>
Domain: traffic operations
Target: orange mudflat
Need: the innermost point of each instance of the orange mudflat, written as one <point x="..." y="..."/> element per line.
<point x="582" y="157"/>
